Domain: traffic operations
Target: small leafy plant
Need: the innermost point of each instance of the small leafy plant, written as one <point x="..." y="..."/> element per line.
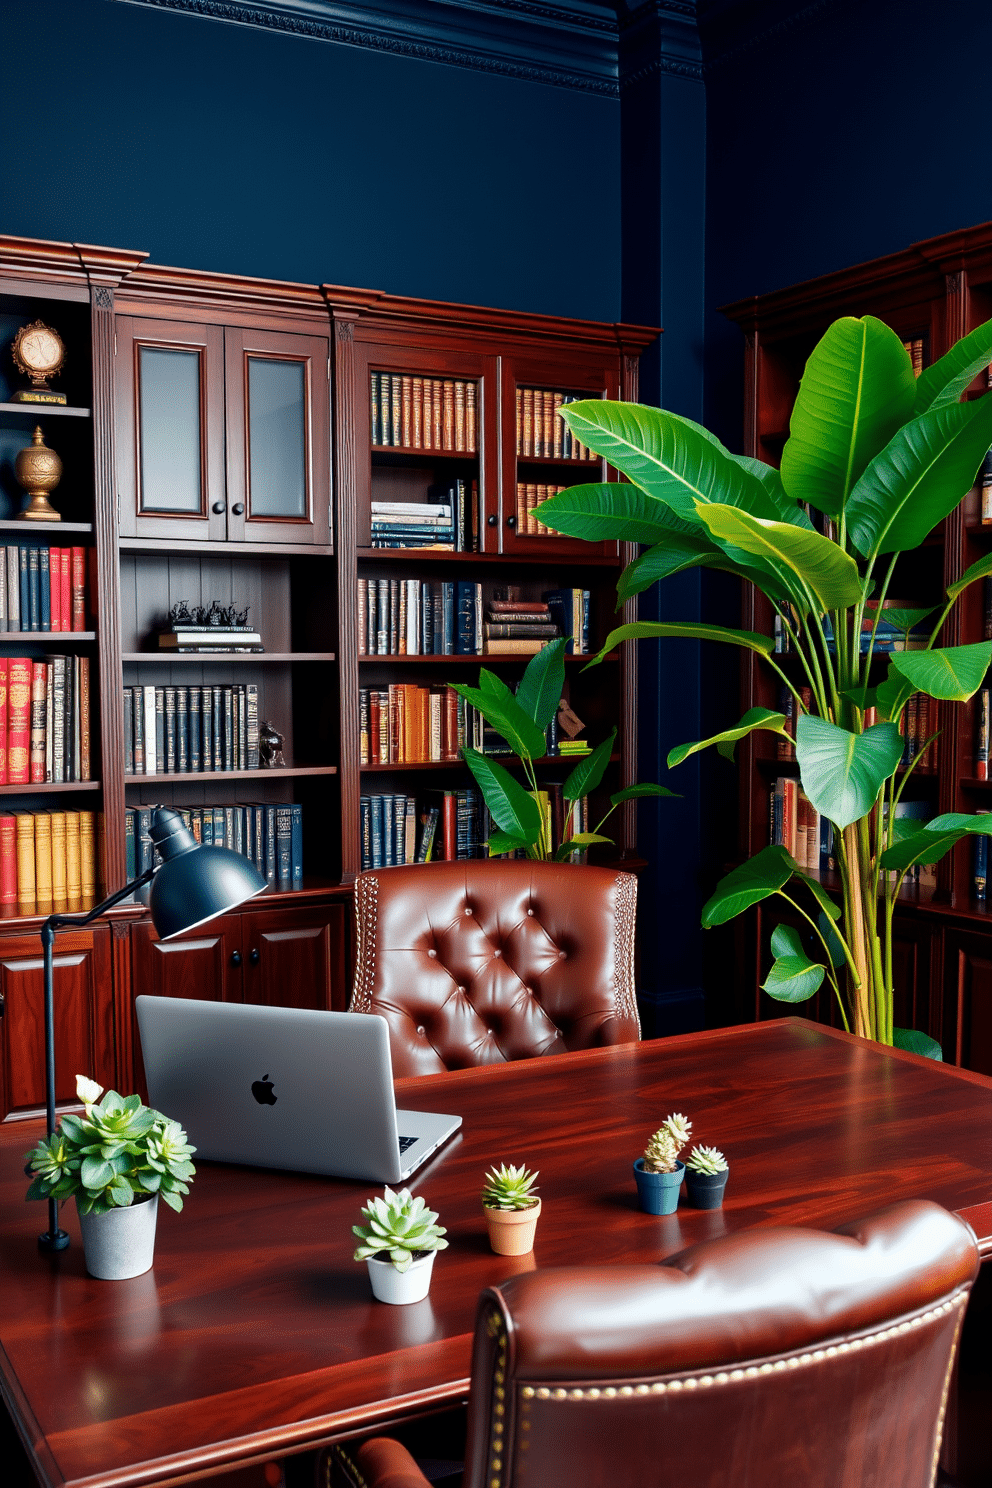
<point x="117" y="1153"/>
<point x="707" y="1161"/>
<point x="521" y="719"/>
<point x="509" y="1187"/>
<point x="400" y="1224"/>
<point x="662" y="1152"/>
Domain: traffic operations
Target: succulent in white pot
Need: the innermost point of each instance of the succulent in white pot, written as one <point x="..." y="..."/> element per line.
<point x="399" y="1244"/>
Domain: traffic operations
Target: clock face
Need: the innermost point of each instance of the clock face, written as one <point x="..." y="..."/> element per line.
<point x="40" y="350"/>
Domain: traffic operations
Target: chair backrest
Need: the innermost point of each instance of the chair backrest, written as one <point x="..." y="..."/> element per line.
<point x="767" y="1359"/>
<point x="480" y="962"/>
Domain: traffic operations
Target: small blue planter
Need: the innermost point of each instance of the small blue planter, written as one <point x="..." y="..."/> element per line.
<point x="658" y="1192"/>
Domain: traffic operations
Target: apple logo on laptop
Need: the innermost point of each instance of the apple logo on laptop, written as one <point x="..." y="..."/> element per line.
<point x="262" y="1091"/>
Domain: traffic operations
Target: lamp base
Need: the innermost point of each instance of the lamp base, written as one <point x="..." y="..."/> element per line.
<point x="60" y="1241"/>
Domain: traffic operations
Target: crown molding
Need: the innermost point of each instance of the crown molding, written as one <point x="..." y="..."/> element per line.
<point x="565" y="45"/>
<point x="659" y="37"/>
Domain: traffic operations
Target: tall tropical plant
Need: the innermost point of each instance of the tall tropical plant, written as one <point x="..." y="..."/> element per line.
<point x="882" y="456"/>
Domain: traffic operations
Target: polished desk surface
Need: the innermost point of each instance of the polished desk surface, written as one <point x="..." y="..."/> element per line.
<point x="256" y="1333"/>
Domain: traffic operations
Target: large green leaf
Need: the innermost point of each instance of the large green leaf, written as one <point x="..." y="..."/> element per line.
<point x="646" y="630"/>
<point x="842" y="772"/>
<point x="793" y="976"/>
<point x="692" y="547"/>
<point x="953" y="673"/>
<point x="757" y="879"/>
<point x="917" y="1043"/>
<point x="505" y="715"/>
<point x="919" y="477"/>
<point x="947" y="379"/>
<point x="617" y="512"/>
<point x="978" y="570"/>
<point x="578" y="843"/>
<point x="899" y="618"/>
<point x="804" y="559"/>
<point x="891" y="695"/>
<point x="503" y="842"/>
<point x="754" y="718"/>
<point x="643" y="788"/>
<point x="823" y="899"/>
<point x="669" y="457"/>
<point x="540" y="688"/>
<point x="935" y="839"/>
<point x="857" y="390"/>
<point x="513" y="809"/>
<point x="589" y="771"/>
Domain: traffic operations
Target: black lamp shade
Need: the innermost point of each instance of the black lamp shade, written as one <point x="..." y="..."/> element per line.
<point x="194" y="884"/>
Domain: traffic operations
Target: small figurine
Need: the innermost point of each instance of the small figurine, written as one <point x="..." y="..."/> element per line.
<point x="240" y="616"/>
<point x="180" y="615"/>
<point x="215" y="615"/>
<point x="270" y="747"/>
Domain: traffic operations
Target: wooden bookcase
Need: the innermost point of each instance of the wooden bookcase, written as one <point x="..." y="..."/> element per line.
<point x="217" y="446"/>
<point x="932" y="292"/>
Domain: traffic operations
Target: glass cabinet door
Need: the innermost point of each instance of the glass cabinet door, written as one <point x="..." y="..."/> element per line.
<point x="170" y="433"/>
<point x="278" y="461"/>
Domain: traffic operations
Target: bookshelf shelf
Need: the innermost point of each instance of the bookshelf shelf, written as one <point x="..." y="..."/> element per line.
<point x="210" y="658"/>
<point x="193" y="777"/>
<point x="560" y="461"/>
<point x="441" y="555"/>
<point x="45" y="637"/>
<point x="401" y="453"/>
<point x="45" y="410"/>
<point x="482" y="660"/>
<point x="35" y="530"/>
<point x="235" y="549"/>
<point x="509" y="760"/>
<point x="52" y="788"/>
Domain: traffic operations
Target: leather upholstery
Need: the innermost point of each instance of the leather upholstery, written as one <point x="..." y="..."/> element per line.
<point x="770" y="1358"/>
<point x="480" y="962"/>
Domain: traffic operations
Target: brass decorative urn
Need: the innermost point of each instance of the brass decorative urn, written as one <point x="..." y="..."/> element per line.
<point x="39" y="470"/>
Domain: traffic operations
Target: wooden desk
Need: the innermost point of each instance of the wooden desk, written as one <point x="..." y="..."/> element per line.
<point x="256" y="1334"/>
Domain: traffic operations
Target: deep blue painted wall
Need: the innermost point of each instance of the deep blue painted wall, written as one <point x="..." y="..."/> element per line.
<point x="228" y="147"/>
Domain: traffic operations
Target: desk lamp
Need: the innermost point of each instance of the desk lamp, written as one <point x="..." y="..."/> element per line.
<point x="191" y="885"/>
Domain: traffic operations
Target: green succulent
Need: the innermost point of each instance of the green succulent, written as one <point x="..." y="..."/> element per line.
<point x="707" y="1160"/>
<point x="509" y="1187"/>
<point x="662" y="1152"/>
<point x="119" y="1150"/>
<point x="400" y="1224"/>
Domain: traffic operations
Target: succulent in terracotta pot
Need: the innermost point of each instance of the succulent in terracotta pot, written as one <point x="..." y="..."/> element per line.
<point x="511" y="1207"/>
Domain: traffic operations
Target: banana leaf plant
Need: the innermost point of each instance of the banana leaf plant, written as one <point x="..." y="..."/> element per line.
<point x="521" y="719"/>
<point x="882" y="457"/>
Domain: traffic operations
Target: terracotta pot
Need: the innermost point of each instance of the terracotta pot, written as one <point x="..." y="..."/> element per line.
<point x="400" y="1287"/>
<point x="120" y="1243"/>
<point x="511" y="1231"/>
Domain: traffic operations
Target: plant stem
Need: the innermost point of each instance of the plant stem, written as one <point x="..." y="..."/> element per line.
<point x="854" y="916"/>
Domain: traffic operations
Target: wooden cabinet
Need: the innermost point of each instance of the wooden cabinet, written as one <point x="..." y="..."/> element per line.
<point x="967" y="1011"/>
<point x="84" y="1034"/>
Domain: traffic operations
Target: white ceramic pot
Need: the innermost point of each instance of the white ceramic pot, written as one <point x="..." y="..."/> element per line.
<point x="399" y="1287"/>
<point x="120" y="1243"/>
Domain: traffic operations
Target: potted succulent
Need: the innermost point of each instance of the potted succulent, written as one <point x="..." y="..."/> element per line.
<point x="405" y="1229"/>
<point x="706" y="1174"/>
<point x="659" y="1172"/>
<point x="512" y="1208"/>
<point x="116" y="1159"/>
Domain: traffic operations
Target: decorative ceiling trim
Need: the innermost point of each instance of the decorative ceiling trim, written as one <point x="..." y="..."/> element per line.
<point x="660" y="37"/>
<point x="566" y="45"/>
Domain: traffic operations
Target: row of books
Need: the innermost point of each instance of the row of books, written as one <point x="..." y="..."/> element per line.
<point x="917" y="723"/>
<point x="440" y="617"/>
<point x="796" y="825"/>
<point x="48" y="861"/>
<point x="452" y="825"/>
<point x="42" y="588"/>
<point x="542" y="434"/>
<point x="190" y="730"/>
<point x="888" y="637"/>
<point x="529" y="495"/>
<point x="406" y="724"/>
<point x="268" y="835"/>
<point x="915" y="350"/>
<point x="980" y="866"/>
<point x="44" y="719"/>
<point x="429" y="413"/>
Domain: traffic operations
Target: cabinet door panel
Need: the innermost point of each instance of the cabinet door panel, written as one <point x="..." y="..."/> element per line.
<point x="968" y="1000"/>
<point x="278" y="426"/>
<point x="295" y="958"/>
<point x="197" y="966"/>
<point x="83" y="1017"/>
<point x="170" y="429"/>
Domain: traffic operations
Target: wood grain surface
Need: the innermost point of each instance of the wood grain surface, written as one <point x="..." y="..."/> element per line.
<point x="255" y="1333"/>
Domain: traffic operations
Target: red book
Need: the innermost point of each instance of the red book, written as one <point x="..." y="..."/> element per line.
<point x="8" y="859"/>
<point x="449" y="826"/>
<point x="55" y="588"/>
<point x="79" y="588"/>
<point x="65" y="595"/>
<point x="3" y="720"/>
<point x="18" y="720"/>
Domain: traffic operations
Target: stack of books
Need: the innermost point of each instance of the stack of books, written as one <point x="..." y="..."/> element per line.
<point x="269" y="835"/>
<point x="517" y="627"/>
<point x="42" y="588"/>
<point x="48" y="861"/>
<point x="44" y="719"/>
<point x="190" y="730"/>
<point x="413" y="524"/>
<point x="204" y="639"/>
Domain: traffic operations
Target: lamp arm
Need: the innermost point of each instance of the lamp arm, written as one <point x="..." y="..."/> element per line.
<point x="56" y="921"/>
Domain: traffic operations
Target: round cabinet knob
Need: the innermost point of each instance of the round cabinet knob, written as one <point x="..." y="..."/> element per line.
<point x="511" y="522"/>
<point x="491" y="521"/>
<point x="218" y="507"/>
<point x="238" y="508"/>
<point x="255" y="955"/>
<point x="235" y="958"/>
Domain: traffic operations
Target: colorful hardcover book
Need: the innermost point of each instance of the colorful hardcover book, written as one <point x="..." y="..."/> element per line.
<point x="87" y="856"/>
<point x="65" y="585"/>
<point x="19" y="721"/>
<point x="39" y="687"/>
<point x="44" y="590"/>
<point x="60" y="891"/>
<point x="78" y="571"/>
<point x="8" y="860"/>
<point x="84" y="755"/>
<point x="73" y="859"/>
<point x="284" y="846"/>
<point x="25" y="861"/>
<point x="296" y="845"/>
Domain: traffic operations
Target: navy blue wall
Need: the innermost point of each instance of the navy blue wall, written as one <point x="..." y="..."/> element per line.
<point x="228" y="147"/>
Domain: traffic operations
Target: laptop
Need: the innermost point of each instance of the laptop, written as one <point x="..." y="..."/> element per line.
<point x="277" y="1087"/>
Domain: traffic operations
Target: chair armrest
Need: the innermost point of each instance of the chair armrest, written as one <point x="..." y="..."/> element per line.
<point x="378" y="1463"/>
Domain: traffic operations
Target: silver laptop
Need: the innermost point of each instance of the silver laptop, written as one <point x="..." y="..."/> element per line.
<point x="284" y="1088"/>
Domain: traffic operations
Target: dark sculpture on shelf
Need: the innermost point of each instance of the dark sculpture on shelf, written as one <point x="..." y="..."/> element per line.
<point x="214" y="615"/>
<point x="270" y="747"/>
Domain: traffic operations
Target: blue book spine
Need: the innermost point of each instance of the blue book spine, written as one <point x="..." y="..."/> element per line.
<point x="377" y="820"/>
<point x="297" y="845"/>
<point x="448" y="618"/>
<point x="559" y="603"/>
<point x="44" y="589"/>
<point x="365" y="812"/>
<point x="585" y="622"/>
<point x="284" y="846"/>
<point x="144" y="850"/>
<point x="388" y="833"/>
<point x="34" y="589"/>
<point x="427" y="618"/>
<point x="207" y="826"/>
<point x="399" y="829"/>
<point x="195" y="729"/>
<point x="270" y="844"/>
<point x="465" y="636"/>
<point x="130" y="861"/>
<point x="375" y="422"/>
<point x="980" y="868"/>
<point x="220" y="828"/>
<point x="24" y="588"/>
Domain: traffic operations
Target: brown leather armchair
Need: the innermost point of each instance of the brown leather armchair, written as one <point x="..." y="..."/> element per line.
<point x="772" y="1358"/>
<point x="480" y="962"/>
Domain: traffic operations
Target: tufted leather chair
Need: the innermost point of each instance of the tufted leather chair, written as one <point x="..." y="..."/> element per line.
<point x="480" y="962"/>
<point x="771" y="1358"/>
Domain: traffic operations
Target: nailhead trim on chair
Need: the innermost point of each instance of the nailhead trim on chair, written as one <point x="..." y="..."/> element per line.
<point x="366" y="917"/>
<point x="624" y="994"/>
<point x="497" y="1331"/>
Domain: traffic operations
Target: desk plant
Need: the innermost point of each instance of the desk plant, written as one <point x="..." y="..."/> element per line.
<point x="512" y="1208"/>
<point x="706" y="1174"/>
<point x="521" y="719"/>
<point x="659" y="1172"/>
<point x="875" y="459"/>
<point x="117" y="1159"/>
<point x="404" y="1228"/>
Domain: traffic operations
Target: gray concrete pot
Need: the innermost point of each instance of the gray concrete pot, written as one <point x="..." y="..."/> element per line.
<point x="120" y="1243"/>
